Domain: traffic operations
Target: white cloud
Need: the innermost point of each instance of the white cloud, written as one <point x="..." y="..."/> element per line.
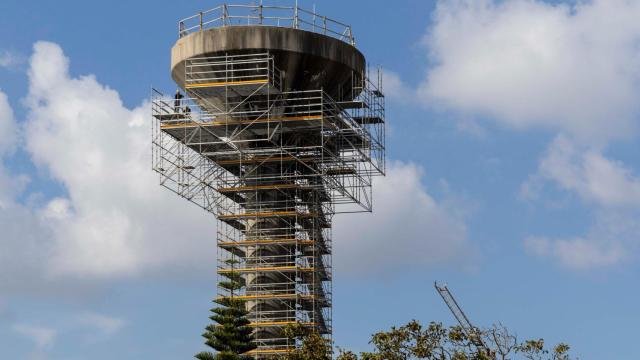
<point x="115" y="221"/>
<point x="25" y="245"/>
<point x="23" y="241"/>
<point x="9" y="59"/>
<point x="4" y="308"/>
<point x="407" y="228"/>
<point x="606" y="245"/>
<point x="107" y="325"/>
<point x="8" y="133"/>
<point x="569" y="68"/>
<point x="585" y="254"/>
<point x="395" y="88"/>
<point x="586" y="171"/>
<point x="530" y="64"/>
<point x="42" y="337"/>
<point x="8" y="136"/>
<point x="576" y="253"/>
<point x="608" y="185"/>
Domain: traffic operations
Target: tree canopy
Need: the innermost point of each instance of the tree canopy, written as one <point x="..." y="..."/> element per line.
<point x="436" y="342"/>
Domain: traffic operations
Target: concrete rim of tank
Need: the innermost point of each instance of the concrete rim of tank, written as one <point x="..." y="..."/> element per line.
<point x="234" y="39"/>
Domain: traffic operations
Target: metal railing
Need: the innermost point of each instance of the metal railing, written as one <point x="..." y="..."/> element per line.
<point x="263" y="15"/>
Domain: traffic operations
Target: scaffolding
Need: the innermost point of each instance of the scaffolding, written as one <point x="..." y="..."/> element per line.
<point x="274" y="166"/>
<point x="265" y="15"/>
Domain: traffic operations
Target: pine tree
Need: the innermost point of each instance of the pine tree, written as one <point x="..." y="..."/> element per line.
<point x="230" y="336"/>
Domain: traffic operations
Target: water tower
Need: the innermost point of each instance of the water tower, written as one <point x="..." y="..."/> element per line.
<point x="280" y="129"/>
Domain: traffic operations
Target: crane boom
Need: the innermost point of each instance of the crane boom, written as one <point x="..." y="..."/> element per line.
<point x="472" y="332"/>
<point x="451" y="302"/>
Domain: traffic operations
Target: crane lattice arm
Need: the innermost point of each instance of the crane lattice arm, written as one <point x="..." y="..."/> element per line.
<point x="472" y="332"/>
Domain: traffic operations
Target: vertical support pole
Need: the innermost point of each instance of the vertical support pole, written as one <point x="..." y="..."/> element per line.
<point x="226" y="87"/>
<point x="295" y="16"/>
<point x="317" y="280"/>
<point x="353" y="41"/>
<point x="324" y="24"/>
<point x="314" y="17"/>
<point x="200" y="20"/>
<point x="260" y="12"/>
<point x="225" y="14"/>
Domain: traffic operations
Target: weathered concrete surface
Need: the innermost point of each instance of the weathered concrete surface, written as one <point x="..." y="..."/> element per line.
<point x="309" y="60"/>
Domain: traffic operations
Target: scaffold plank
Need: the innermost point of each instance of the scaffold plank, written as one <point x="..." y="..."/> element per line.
<point x="271" y="297"/>
<point x="267" y="269"/>
<point x="263" y="187"/>
<point x="280" y="323"/>
<point x="269" y="214"/>
<point x="249" y="243"/>
<point x="216" y="123"/>
<point x="225" y="83"/>
<point x="269" y="351"/>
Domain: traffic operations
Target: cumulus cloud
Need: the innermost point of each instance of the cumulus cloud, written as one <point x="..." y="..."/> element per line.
<point x="569" y="68"/>
<point x="587" y="172"/>
<point x="407" y="228"/>
<point x="7" y="126"/>
<point x="25" y="244"/>
<point x="8" y="136"/>
<point x="113" y="222"/>
<point x="395" y="88"/>
<point x="576" y="253"/>
<point x="9" y="59"/>
<point x="23" y="241"/>
<point x="611" y="241"/>
<point x="612" y="188"/>
<point x="531" y="64"/>
<point x="107" y="325"/>
<point x="43" y="337"/>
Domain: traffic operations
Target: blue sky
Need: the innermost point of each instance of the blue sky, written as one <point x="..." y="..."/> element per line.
<point x="512" y="142"/>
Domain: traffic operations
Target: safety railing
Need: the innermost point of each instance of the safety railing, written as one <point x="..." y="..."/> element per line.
<point x="252" y="69"/>
<point x="263" y="15"/>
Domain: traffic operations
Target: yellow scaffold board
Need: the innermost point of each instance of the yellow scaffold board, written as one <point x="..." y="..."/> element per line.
<point x="267" y="269"/>
<point x="269" y="214"/>
<point x="268" y="351"/>
<point x="225" y="83"/>
<point x="271" y="297"/>
<point x="280" y="323"/>
<point x="260" y="187"/>
<point x="193" y="124"/>
<point x="265" y="242"/>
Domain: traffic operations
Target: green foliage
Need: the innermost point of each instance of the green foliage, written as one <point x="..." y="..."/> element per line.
<point x="535" y="350"/>
<point x="435" y="342"/>
<point x="413" y="341"/>
<point x="346" y="355"/>
<point x="230" y="335"/>
<point x="314" y="346"/>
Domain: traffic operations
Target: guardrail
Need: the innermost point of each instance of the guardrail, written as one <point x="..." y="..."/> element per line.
<point x="262" y="15"/>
